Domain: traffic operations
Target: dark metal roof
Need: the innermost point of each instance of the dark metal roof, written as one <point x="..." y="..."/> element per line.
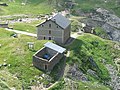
<point x="60" y="20"/>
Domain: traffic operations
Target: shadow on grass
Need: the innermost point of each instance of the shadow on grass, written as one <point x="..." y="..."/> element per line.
<point x="33" y="50"/>
<point x="58" y="70"/>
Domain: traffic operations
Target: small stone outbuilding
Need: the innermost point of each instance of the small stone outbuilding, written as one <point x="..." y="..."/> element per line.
<point x="55" y="28"/>
<point x="47" y="57"/>
<point x="3" y="25"/>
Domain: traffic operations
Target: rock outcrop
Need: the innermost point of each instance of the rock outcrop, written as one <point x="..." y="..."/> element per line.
<point x="108" y="21"/>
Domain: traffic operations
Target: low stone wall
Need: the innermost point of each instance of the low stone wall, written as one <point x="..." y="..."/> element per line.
<point x="40" y="62"/>
<point x="55" y="60"/>
<point x="3" y="25"/>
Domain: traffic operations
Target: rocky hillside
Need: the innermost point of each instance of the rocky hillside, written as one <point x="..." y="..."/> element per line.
<point x="108" y="22"/>
<point x="92" y="60"/>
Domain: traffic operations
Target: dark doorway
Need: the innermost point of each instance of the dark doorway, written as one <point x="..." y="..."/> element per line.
<point x="44" y="38"/>
<point x="49" y="38"/>
<point x="46" y="67"/>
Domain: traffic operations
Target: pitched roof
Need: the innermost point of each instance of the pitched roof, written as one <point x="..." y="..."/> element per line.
<point x="59" y="20"/>
<point x="55" y="47"/>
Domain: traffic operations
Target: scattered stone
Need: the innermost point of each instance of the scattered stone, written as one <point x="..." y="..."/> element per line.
<point x="0" y="45"/>
<point x="12" y="88"/>
<point x="4" y="64"/>
<point x="0" y="65"/>
<point x="46" y="77"/>
<point x="38" y="82"/>
<point x="76" y="74"/>
<point x="9" y="65"/>
<point x="86" y="86"/>
<point x="3" y="79"/>
<point x="15" y="35"/>
<point x="91" y="72"/>
<point x="84" y="78"/>
<point x="116" y="46"/>
<point x="3" y="4"/>
<point x="5" y="60"/>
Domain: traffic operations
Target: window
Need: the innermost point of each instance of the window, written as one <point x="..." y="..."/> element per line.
<point x="46" y="67"/>
<point x="50" y="25"/>
<point x="44" y="38"/>
<point x="49" y="32"/>
<point x="49" y="38"/>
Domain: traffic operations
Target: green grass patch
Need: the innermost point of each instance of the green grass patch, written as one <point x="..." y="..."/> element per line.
<point x="31" y="7"/>
<point x="87" y="46"/>
<point x="90" y="5"/>
<point x="14" y="51"/>
<point x="28" y="27"/>
<point x="62" y="85"/>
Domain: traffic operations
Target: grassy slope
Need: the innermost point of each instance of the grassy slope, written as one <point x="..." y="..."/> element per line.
<point x="28" y="27"/>
<point x="88" y="5"/>
<point x="80" y="86"/>
<point x="14" y="51"/>
<point x="42" y="6"/>
<point x="87" y="46"/>
<point x="80" y="50"/>
<point x="8" y="80"/>
<point x="32" y="7"/>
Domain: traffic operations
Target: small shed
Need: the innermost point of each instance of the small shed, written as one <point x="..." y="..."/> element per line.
<point x="47" y="57"/>
<point x="2" y="25"/>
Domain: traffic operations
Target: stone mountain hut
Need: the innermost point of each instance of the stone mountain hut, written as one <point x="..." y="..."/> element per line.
<point x="47" y="57"/>
<point x="56" y="28"/>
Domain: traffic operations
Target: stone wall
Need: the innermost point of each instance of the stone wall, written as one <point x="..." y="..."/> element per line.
<point x="3" y="25"/>
<point x="67" y="33"/>
<point x="40" y="63"/>
<point x="57" y="33"/>
<point x="43" y="32"/>
<point x="55" y="60"/>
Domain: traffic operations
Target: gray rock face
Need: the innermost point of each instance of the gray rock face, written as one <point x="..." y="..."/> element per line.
<point x="91" y="72"/>
<point x="108" y="21"/>
<point x="115" y="79"/>
<point x="106" y="16"/>
<point x="114" y="33"/>
<point x="76" y="74"/>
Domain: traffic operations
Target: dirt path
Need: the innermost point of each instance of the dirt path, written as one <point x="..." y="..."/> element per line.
<point x="74" y="35"/>
<point x="22" y="32"/>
